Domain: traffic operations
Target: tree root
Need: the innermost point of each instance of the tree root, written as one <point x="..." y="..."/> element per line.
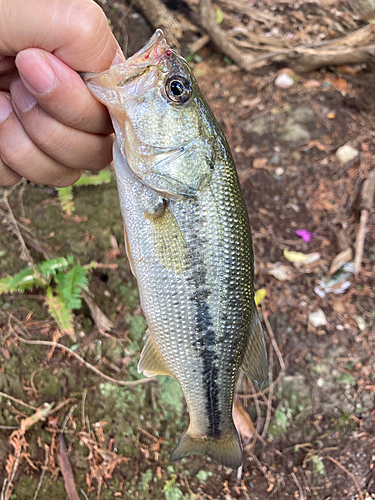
<point x="357" y="47"/>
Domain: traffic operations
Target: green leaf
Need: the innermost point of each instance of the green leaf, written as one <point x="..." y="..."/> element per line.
<point x="71" y="284"/>
<point x="50" y="267"/>
<point x="103" y="177"/>
<point x="60" y="312"/>
<point x="219" y="16"/>
<point x="4" y="284"/>
<point x="66" y="199"/>
<point x="24" y="280"/>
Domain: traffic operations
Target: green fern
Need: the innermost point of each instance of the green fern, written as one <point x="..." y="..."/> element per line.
<point x="60" y="312"/>
<point x="66" y="194"/>
<point x="50" y="267"/>
<point x="4" y="284"/>
<point x="66" y="199"/>
<point x="24" y="280"/>
<point x="103" y="177"/>
<point x="70" y="285"/>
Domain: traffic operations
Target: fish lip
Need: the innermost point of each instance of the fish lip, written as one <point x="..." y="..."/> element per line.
<point x="150" y="55"/>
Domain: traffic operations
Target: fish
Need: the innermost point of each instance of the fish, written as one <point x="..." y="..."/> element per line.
<point x="188" y="241"/>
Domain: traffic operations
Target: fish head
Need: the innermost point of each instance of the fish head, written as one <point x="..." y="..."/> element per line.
<point x="163" y="125"/>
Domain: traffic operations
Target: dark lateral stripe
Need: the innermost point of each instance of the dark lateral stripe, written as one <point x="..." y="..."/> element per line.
<point x="205" y="334"/>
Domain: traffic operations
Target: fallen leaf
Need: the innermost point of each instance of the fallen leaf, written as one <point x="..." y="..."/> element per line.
<point x="279" y="271"/>
<point x="295" y="256"/>
<point x="74" y="218"/>
<point x="260" y="162"/>
<point x="340" y="259"/>
<point x="260" y="295"/>
<point x="312" y="84"/>
<point x="242" y="420"/>
<point x="331" y="115"/>
<point x="67" y="471"/>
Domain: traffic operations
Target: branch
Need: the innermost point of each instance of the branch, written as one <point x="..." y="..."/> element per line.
<point x="357" y="47"/>
<point x="159" y="16"/>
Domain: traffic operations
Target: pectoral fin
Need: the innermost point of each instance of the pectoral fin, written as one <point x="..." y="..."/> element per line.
<point x="127" y="249"/>
<point x="151" y="363"/>
<point x="254" y="363"/>
<point x="169" y="243"/>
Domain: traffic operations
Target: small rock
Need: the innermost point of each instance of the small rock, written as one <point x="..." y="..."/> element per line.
<point x="259" y="126"/>
<point x="279" y="171"/>
<point x="317" y="319"/>
<point x="296" y="133"/>
<point x="303" y="114"/>
<point x="326" y="85"/>
<point x="346" y="153"/>
<point x="296" y="155"/>
<point x="284" y="81"/>
<point x="275" y="160"/>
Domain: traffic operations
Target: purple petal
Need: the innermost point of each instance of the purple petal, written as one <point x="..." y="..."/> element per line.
<point x="305" y="235"/>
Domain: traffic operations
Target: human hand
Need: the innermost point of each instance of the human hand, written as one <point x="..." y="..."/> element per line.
<point x="51" y="127"/>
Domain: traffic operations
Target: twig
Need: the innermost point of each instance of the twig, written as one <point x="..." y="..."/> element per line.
<point x="68" y="416"/>
<point x="270" y="394"/>
<point x="360" y="241"/>
<point x="9" y="427"/>
<point x="46" y="447"/>
<point x="84" y="395"/>
<point x="25" y="254"/>
<point x="19" y="401"/>
<point x="14" y="470"/>
<point x="294" y="477"/>
<point x="66" y="471"/>
<point x="273" y="340"/>
<point x="357" y="47"/>
<point x="349" y="474"/>
<point x="84" y="494"/>
<point x="85" y="363"/>
<point x="367" y="197"/>
<point x="159" y="16"/>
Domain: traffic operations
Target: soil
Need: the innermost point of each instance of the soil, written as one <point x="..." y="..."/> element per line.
<point x="321" y="434"/>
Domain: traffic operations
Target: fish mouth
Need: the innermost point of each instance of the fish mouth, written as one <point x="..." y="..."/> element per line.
<point x="146" y="61"/>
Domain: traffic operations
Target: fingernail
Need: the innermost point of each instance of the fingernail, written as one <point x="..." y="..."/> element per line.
<point x="21" y="96"/>
<point x="5" y="107"/>
<point x="36" y="70"/>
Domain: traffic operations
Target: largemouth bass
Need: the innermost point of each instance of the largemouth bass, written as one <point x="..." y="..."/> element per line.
<point x="188" y="240"/>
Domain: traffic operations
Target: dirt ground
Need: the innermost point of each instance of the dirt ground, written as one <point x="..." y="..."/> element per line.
<point x="316" y="424"/>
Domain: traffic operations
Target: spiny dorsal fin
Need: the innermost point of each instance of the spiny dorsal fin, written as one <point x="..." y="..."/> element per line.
<point x="151" y="363"/>
<point x="169" y="242"/>
<point x="254" y="363"/>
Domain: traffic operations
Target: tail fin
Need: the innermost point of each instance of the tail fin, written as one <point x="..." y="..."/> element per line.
<point x="225" y="450"/>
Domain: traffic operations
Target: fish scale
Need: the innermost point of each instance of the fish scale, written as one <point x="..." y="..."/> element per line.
<point x="188" y="240"/>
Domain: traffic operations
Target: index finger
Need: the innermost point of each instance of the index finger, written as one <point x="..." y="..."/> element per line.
<point x="76" y="31"/>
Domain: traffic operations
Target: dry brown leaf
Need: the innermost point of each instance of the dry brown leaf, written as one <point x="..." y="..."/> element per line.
<point x="66" y="471"/>
<point x="260" y="162"/>
<point x="340" y="259"/>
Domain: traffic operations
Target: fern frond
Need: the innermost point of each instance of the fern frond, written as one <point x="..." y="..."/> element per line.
<point x="4" y="284"/>
<point x="71" y="284"/>
<point x="60" y="312"/>
<point x="50" y="267"/>
<point x="66" y="199"/>
<point x="24" y="280"/>
<point x="103" y="177"/>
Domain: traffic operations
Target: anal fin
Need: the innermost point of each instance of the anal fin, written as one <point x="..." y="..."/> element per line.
<point x="151" y="363"/>
<point x="254" y="363"/>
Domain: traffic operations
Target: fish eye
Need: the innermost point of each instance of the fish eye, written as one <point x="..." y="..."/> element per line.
<point x="178" y="89"/>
